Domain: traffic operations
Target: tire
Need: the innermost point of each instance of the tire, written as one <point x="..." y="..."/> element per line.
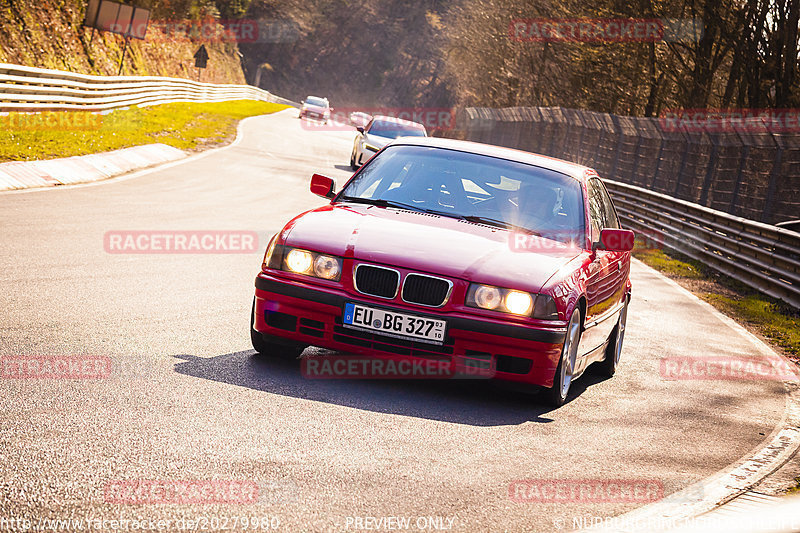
<point x="353" y="160"/>
<point x="557" y="394"/>
<point x="268" y="346"/>
<point x="608" y="367"/>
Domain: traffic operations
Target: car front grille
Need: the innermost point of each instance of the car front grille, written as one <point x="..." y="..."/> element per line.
<point x="377" y="281"/>
<point x="426" y="290"/>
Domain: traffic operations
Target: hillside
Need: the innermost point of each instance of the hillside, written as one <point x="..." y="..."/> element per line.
<point x="50" y="34"/>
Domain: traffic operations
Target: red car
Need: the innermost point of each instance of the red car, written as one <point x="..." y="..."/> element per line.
<point x="487" y="257"/>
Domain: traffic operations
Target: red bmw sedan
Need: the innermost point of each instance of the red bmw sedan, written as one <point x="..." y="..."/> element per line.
<point x="481" y="256"/>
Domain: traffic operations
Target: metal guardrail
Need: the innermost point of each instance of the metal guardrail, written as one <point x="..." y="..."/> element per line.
<point x="31" y="89"/>
<point x="761" y="256"/>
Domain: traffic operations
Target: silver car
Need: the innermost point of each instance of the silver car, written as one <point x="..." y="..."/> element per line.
<point x="378" y="133"/>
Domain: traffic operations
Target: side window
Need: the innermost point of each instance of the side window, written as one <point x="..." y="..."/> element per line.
<point x="596" y="211"/>
<point x="609" y="214"/>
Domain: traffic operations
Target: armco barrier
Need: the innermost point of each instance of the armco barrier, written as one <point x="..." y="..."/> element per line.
<point x="759" y="255"/>
<point x="694" y="192"/>
<point x="29" y="88"/>
<point x="752" y="170"/>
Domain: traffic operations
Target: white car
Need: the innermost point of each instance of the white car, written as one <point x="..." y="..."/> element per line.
<point x="378" y="133"/>
<point x="359" y="118"/>
<point x="316" y="108"/>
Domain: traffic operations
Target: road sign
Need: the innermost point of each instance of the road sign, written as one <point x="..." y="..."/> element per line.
<point x="201" y="57"/>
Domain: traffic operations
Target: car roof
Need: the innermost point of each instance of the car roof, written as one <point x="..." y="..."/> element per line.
<point x="396" y="120"/>
<point x="575" y="170"/>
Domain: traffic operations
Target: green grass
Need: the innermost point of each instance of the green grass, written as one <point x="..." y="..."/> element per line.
<point x="767" y="316"/>
<point x="662" y="262"/>
<point x="187" y="126"/>
<point x="773" y="319"/>
<point x="796" y="488"/>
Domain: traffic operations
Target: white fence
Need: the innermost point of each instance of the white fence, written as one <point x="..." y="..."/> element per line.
<point x="30" y="89"/>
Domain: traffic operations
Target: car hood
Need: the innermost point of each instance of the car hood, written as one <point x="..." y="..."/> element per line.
<point x="377" y="140"/>
<point x="428" y="243"/>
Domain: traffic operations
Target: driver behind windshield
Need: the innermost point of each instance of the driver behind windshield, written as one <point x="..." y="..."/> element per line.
<point x="537" y="207"/>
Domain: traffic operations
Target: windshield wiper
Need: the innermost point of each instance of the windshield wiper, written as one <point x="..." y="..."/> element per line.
<point x="380" y="202"/>
<point x="497" y="223"/>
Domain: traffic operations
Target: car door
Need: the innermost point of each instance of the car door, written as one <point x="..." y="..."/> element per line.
<point x="602" y="283"/>
<point x="618" y="262"/>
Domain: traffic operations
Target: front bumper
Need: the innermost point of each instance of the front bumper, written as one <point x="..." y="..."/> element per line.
<point x="312" y="315"/>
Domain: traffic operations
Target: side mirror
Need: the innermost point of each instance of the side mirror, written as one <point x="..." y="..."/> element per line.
<point x="360" y="129"/>
<point x="322" y="186"/>
<point x="616" y="240"/>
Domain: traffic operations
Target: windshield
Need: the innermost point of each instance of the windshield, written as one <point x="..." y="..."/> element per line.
<point x="393" y="130"/>
<point x="474" y="187"/>
<point x="313" y="100"/>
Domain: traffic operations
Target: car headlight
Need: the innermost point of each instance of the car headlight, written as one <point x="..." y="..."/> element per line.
<point x="299" y="261"/>
<point x="519" y="303"/>
<point x="327" y="267"/>
<point x="304" y="262"/>
<point x="498" y="299"/>
<point x="487" y="297"/>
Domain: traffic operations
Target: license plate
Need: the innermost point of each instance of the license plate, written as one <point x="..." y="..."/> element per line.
<point x="392" y="324"/>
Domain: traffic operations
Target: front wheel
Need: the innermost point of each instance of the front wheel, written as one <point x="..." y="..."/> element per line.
<point x="558" y="392"/>
<point x="266" y="345"/>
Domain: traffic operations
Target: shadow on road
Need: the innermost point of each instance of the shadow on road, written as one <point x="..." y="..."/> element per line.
<point x="472" y="402"/>
<point x="344" y="167"/>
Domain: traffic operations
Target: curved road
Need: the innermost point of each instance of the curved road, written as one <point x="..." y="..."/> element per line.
<point x="187" y="400"/>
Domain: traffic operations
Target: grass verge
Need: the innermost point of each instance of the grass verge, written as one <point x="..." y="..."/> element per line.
<point x="188" y="126"/>
<point x="772" y="319"/>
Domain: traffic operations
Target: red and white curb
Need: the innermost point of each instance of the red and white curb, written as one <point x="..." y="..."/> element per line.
<point x="29" y="178"/>
<point x="84" y="168"/>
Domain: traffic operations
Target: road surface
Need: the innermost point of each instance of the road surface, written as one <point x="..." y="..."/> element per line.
<point x="187" y="400"/>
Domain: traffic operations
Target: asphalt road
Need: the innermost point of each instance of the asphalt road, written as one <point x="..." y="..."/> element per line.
<point x="187" y="400"/>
